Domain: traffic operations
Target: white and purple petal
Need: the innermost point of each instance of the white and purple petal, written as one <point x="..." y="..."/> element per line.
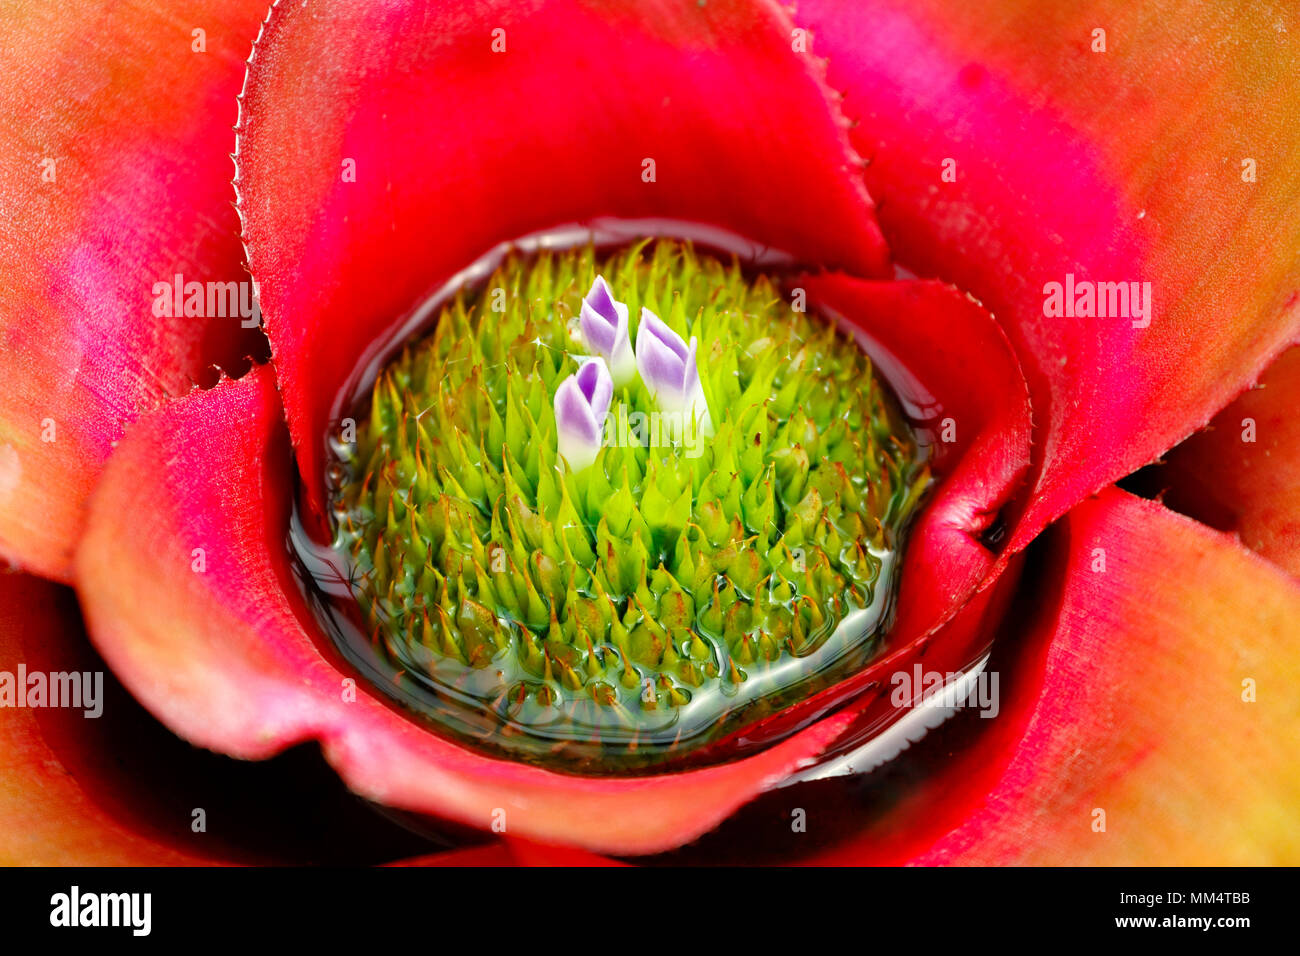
<point x="581" y="404"/>
<point x="669" y="368"/>
<point x="603" y="325"/>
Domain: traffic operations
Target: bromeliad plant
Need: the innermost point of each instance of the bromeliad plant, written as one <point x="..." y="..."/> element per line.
<point x="378" y="153"/>
<point x="599" y="576"/>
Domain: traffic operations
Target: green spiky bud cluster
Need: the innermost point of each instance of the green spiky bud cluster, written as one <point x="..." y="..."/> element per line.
<point x="674" y="590"/>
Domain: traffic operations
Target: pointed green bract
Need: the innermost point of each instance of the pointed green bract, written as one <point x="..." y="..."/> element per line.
<point x="681" y="586"/>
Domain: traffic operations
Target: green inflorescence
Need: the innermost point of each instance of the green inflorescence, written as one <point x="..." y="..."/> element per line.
<point x="675" y="590"/>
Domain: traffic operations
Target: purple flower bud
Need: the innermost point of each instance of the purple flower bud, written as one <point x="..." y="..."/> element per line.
<point x="603" y="326"/>
<point x="581" y="404"/>
<point x="669" y="370"/>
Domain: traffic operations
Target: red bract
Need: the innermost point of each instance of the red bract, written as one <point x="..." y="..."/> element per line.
<point x="49" y="817"/>
<point x="1242" y="474"/>
<point x="116" y="177"/>
<point x="1123" y="165"/>
<point x="1127" y="696"/>
<point x="382" y="150"/>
